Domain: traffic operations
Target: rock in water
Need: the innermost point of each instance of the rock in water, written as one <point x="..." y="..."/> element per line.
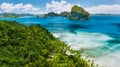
<point x="78" y="13"/>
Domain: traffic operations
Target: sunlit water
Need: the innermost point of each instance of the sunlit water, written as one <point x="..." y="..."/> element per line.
<point x="99" y="36"/>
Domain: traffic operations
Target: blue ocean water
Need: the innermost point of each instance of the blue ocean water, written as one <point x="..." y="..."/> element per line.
<point x="99" y="36"/>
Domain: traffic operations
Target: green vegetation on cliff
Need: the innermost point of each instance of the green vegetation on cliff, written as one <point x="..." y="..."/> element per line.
<point x="34" y="46"/>
<point x="78" y="13"/>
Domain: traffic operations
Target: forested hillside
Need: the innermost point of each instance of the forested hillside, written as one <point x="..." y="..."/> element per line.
<point x="34" y="46"/>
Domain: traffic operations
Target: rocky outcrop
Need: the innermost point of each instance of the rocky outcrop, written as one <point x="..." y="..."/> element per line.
<point x="78" y="13"/>
<point x="65" y="13"/>
<point x="50" y="14"/>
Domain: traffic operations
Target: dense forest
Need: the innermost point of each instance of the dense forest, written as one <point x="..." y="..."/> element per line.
<point x="34" y="46"/>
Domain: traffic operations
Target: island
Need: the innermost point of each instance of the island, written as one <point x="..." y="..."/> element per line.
<point x="14" y="15"/>
<point x="65" y="13"/>
<point x="77" y="13"/>
<point x="34" y="46"/>
<point x="50" y="14"/>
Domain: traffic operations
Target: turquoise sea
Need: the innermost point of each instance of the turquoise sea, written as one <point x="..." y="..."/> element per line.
<point x="99" y="36"/>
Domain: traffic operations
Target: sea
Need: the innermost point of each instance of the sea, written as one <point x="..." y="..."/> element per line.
<point x="98" y="38"/>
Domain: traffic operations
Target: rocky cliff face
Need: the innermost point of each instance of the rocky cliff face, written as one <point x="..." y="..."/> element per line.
<point x="78" y="13"/>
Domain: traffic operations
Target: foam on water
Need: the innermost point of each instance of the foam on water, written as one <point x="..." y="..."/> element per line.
<point x="83" y="39"/>
<point x="110" y="60"/>
<point x="56" y="35"/>
<point x="97" y="45"/>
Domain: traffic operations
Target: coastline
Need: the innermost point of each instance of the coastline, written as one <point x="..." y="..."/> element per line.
<point x="106" y="26"/>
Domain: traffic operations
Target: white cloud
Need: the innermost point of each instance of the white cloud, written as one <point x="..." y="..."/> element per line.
<point x="107" y="9"/>
<point x="63" y="5"/>
<point x="58" y="7"/>
<point x="19" y="8"/>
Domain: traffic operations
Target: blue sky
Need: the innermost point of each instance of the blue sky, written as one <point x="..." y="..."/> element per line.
<point x="42" y="4"/>
<point x="85" y="3"/>
<point x="88" y="3"/>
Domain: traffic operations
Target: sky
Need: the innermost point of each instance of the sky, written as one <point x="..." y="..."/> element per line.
<point x="43" y="6"/>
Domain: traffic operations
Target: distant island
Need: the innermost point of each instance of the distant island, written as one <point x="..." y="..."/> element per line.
<point x="14" y="15"/>
<point x="77" y="13"/>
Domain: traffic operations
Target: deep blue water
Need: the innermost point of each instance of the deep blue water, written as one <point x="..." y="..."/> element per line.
<point x="101" y="24"/>
<point x="100" y="35"/>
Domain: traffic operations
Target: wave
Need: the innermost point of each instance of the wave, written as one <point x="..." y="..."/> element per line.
<point x="111" y="60"/>
<point x="97" y="46"/>
<point x="80" y="40"/>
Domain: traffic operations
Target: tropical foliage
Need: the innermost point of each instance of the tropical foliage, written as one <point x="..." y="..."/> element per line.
<point x="34" y="46"/>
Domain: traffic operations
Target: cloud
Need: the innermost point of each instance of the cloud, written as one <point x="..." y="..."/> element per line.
<point x="106" y="9"/>
<point x="19" y="8"/>
<point x="63" y="5"/>
<point x="58" y="7"/>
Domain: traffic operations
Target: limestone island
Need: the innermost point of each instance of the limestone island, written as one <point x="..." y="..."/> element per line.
<point x="76" y="13"/>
